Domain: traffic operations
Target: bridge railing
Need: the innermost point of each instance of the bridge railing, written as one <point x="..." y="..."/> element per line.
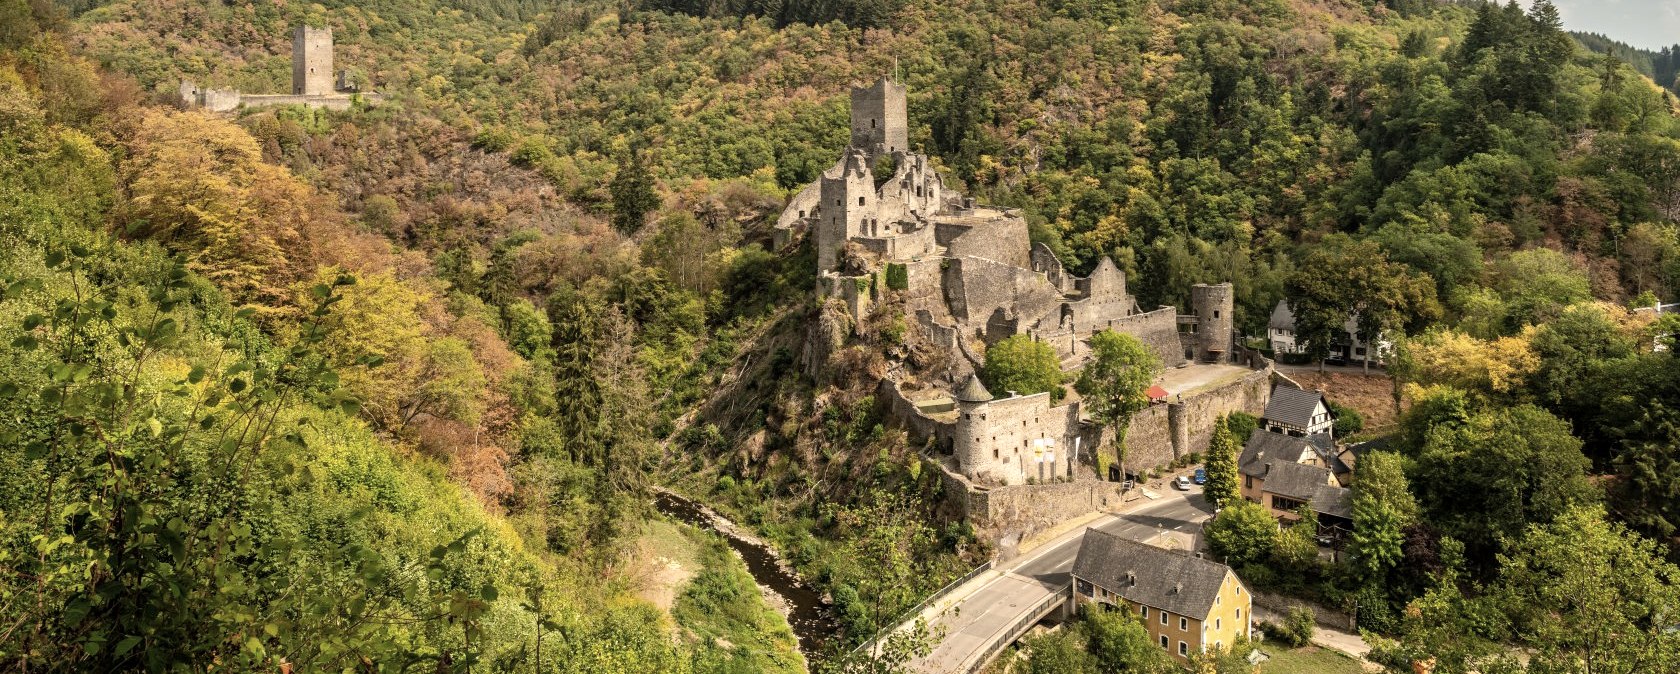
<point x="1013" y="632"/>
<point x="916" y="610"/>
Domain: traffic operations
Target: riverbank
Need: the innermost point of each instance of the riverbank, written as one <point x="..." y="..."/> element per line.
<point x="802" y="607"/>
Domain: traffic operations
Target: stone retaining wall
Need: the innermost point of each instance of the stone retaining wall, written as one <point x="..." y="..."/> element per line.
<point x="1326" y="616"/>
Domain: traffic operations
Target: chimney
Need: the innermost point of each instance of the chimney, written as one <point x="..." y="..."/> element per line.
<point x="1178" y="588"/>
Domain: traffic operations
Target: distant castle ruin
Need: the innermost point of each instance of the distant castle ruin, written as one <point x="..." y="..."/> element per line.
<point x="314" y="82"/>
<point x="888" y="230"/>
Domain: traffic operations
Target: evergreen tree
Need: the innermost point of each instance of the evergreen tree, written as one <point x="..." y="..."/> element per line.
<point x="633" y="195"/>
<point x="1221" y="487"/>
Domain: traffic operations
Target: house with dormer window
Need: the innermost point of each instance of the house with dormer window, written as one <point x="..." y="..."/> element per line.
<point x="1189" y="605"/>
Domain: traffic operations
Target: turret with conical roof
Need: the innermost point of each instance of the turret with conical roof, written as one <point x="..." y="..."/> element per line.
<point x="973" y="391"/>
<point x="972" y="400"/>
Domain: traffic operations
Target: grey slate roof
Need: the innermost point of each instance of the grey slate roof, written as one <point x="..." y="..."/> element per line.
<point x="1283" y="318"/>
<point x="974" y="391"/>
<point x="1337" y="501"/>
<point x="1295" y="480"/>
<point x="1167" y="580"/>
<point x="1292" y="406"/>
<point x="1264" y="446"/>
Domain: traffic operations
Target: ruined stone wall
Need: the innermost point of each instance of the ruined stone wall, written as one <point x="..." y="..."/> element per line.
<point x="1148" y="439"/>
<point x="802" y="205"/>
<point x="1163" y="432"/>
<point x="1248" y="394"/>
<point x="1001" y="240"/>
<point x="220" y="100"/>
<point x="919" y="425"/>
<point x="331" y="102"/>
<point x="977" y="287"/>
<point x="1045" y="262"/>
<point x="1008" y="515"/>
<point x="926" y="291"/>
<point x="1158" y="329"/>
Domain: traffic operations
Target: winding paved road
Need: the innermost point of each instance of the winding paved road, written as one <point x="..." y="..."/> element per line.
<point x="981" y="613"/>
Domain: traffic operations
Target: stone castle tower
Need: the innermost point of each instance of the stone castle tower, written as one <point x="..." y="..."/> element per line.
<point x="1213" y="306"/>
<point x="847" y="206"/>
<point x="879" y="124"/>
<point x="312" y="61"/>
<point x="966" y="441"/>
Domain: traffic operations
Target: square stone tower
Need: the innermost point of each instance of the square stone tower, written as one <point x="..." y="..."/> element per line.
<point x="312" y="61"/>
<point x="878" y="118"/>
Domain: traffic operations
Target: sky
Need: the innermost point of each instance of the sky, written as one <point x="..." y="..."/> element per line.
<point x="1651" y="24"/>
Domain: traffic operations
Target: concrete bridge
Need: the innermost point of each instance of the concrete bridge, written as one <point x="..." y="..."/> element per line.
<point x="996" y="606"/>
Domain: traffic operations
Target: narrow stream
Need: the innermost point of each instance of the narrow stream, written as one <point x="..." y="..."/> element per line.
<point x="810" y="620"/>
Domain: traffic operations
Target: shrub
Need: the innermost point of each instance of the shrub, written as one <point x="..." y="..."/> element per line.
<point x="898" y="276"/>
<point x="1242" y="425"/>
<point x="1348" y="420"/>
<point x="1295" y="630"/>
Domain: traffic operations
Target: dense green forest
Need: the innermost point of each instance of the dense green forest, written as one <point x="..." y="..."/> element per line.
<point x="1662" y="66"/>
<point x="385" y="388"/>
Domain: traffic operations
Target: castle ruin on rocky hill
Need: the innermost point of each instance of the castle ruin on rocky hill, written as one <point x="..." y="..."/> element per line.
<point x="887" y="229"/>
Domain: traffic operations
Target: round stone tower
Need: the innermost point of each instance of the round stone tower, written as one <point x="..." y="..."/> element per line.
<point x="1214" y="306"/>
<point x="966" y="442"/>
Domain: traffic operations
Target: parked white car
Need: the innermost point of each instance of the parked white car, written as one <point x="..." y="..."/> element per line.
<point x="1181" y="483"/>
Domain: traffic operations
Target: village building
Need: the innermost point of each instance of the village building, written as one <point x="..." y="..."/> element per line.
<point x="1189" y="605"/>
<point x="1297" y="412"/>
<point x="1292" y="460"/>
<point x="1345" y="345"/>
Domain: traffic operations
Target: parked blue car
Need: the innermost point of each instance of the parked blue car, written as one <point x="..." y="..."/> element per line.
<point x="1201" y="476"/>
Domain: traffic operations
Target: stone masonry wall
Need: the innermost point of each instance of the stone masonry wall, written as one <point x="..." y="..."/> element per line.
<point x="919" y="425"/>
<point x="1008" y="515"/>
<point x="1001" y="240"/>
<point x="977" y="288"/>
<point x="1158" y="329"/>
<point x="1155" y="437"/>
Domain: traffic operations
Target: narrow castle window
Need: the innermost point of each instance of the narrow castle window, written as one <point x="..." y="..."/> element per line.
<point x="994" y="453"/>
<point x="1216" y="313"/>
<point x="871" y="123"/>
<point x="860" y="201"/>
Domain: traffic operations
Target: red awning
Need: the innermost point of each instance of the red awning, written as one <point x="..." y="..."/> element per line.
<point x="1156" y="393"/>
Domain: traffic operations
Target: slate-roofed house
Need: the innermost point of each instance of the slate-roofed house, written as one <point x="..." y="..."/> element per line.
<point x="1284" y="473"/>
<point x="1188" y="604"/>
<point x="1346" y="344"/>
<point x="1292" y="411"/>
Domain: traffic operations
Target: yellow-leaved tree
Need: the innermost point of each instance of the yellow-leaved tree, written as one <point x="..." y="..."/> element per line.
<point x="198" y="185"/>
<point x="1452" y="358"/>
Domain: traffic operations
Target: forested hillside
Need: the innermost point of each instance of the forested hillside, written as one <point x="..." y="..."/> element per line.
<point x="344" y="389"/>
<point x="1662" y="66"/>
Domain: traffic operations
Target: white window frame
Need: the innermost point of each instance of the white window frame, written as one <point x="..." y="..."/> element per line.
<point x="1183" y="649"/>
<point x="1163" y="617"/>
<point x="1165" y="643"/>
<point x="1183" y="624"/>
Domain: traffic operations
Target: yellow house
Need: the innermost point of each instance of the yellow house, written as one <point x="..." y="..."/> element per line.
<point x="1189" y="605"/>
